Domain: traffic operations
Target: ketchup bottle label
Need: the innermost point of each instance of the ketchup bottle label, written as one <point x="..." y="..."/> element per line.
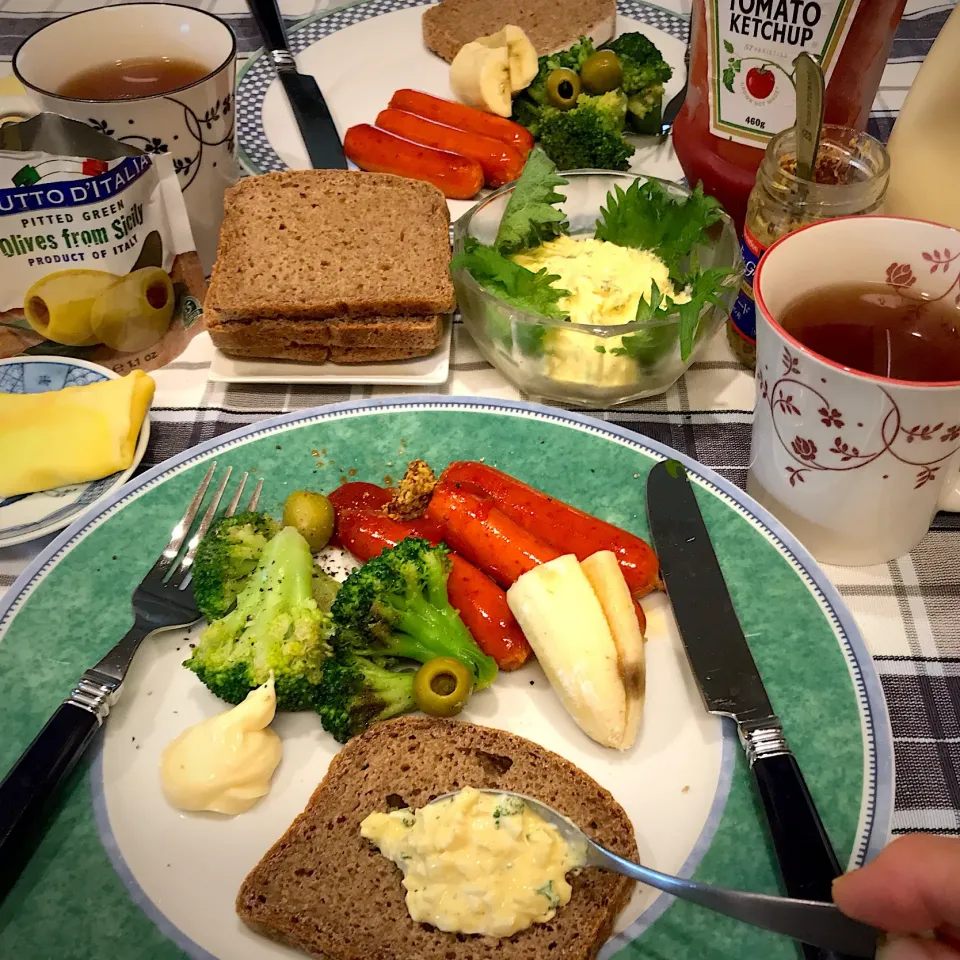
<point x="751" y="46"/>
<point x="743" y="316"/>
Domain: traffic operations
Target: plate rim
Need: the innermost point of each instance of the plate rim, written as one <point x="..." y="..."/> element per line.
<point x="877" y="801"/>
<point x="257" y="56"/>
<point x="122" y="476"/>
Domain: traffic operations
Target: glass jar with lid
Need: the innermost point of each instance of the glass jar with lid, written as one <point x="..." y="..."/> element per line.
<point x="851" y="176"/>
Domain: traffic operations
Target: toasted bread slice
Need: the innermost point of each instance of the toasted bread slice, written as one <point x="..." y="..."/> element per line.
<point x="339" y="339"/>
<point x="332" y="243"/>
<point x="324" y="889"/>
<point x="551" y="25"/>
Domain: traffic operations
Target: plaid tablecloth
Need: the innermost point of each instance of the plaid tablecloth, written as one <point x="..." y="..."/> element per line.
<point x="909" y="610"/>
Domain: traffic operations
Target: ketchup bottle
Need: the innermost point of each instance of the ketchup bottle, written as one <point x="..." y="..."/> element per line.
<point x="741" y="90"/>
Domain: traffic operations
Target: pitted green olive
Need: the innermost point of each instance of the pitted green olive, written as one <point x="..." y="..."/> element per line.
<point x="563" y="88"/>
<point x="601" y="72"/>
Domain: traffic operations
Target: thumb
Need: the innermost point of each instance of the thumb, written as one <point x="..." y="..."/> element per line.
<point x="912" y="886"/>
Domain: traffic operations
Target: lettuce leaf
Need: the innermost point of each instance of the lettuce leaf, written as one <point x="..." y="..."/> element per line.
<point x="531" y="216"/>
<point x="645" y="216"/>
<point x="518" y="286"/>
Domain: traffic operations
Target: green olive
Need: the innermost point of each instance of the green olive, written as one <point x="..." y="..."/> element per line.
<point x="312" y="514"/>
<point x="563" y="88"/>
<point x="442" y="686"/>
<point x="601" y="72"/>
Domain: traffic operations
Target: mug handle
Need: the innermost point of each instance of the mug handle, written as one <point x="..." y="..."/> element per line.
<point x="950" y="494"/>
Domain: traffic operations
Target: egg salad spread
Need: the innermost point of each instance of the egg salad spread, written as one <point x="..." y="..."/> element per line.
<point x="477" y="862"/>
<point x="606" y="283"/>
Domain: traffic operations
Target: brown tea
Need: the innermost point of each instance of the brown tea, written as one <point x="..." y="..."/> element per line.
<point x="881" y="330"/>
<point x="133" y="77"/>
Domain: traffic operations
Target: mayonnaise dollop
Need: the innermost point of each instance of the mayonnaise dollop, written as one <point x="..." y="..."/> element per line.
<point x="224" y="764"/>
<point x="477" y="862"/>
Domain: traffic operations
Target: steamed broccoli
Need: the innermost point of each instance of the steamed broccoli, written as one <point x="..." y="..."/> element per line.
<point x="589" y="135"/>
<point x="572" y="59"/>
<point x="226" y="556"/>
<point x="644" y="74"/>
<point x="355" y="693"/>
<point x="275" y="625"/>
<point x="396" y="605"/>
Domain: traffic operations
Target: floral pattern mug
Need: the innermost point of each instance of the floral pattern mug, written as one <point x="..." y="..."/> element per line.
<point x="194" y="124"/>
<point x="856" y="465"/>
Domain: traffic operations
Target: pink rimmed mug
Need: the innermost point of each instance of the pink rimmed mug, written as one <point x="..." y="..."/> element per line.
<point x="856" y="465"/>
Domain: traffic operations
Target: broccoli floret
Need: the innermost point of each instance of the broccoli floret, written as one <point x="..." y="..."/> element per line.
<point x="275" y="625"/>
<point x="355" y="693"/>
<point x="396" y="605"/>
<point x="589" y="135"/>
<point x="226" y="556"/>
<point x="527" y="105"/>
<point x="643" y="64"/>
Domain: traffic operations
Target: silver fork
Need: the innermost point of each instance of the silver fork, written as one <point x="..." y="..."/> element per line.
<point x="161" y="601"/>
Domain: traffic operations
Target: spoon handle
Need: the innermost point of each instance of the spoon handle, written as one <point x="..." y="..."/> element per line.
<point x="819" y="924"/>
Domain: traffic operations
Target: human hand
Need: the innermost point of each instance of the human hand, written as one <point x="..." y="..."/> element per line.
<point x="909" y="890"/>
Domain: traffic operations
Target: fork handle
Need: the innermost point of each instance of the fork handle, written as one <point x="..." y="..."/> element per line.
<point x="29" y="789"/>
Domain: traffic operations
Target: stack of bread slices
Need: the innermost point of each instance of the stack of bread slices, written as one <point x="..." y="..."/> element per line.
<point x="338" y="265"/>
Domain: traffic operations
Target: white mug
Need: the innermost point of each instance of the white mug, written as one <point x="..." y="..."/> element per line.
<point x="194" y="123"/>
<point x="856" y="465"/>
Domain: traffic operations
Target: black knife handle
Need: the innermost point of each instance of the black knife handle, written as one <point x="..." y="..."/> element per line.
<point x="269" y="23"/>
<point x="29" y="789"/>
<point x="808" y="864"/>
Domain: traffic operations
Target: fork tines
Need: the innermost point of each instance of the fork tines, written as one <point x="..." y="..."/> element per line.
<point x="165" y="566"/>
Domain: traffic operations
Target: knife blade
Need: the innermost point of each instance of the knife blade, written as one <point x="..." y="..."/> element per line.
<point x="310" y="110"/>
<point x="731" y="686"/>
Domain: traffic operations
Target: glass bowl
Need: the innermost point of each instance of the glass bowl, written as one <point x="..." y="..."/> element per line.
<point x="573" y="363"/>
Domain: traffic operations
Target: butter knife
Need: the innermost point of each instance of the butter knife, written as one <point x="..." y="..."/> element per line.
<point x="310" y="110"/>
<point x="731" y="685"/>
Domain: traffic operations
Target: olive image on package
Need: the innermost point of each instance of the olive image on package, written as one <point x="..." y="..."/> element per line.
<point x="98" y="259"/>
<point x="83" y="307"/>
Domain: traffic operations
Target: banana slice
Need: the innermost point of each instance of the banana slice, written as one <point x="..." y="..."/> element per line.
<point x="480" y="77"/>
<point x="521" y="55"/>
<point x="606" y="578"/>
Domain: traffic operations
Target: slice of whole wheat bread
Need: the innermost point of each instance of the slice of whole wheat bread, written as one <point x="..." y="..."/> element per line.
<point x="551" y="25"/>
<point x="326" y="890"/>
<point x="340" y="339"/>
<point x="332" y="243"/>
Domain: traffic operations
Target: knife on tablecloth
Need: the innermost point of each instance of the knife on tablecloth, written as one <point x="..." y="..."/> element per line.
<point x="310" y="110"/>
<point x="731" y="685"/>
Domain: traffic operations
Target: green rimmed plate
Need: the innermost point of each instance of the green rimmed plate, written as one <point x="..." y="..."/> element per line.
<point x="118" y="863"/>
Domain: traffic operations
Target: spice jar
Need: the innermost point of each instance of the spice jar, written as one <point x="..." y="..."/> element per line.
<point x="851" y="175"/>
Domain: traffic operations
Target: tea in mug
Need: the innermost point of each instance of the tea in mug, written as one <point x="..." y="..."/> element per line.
<point x="878" y="329"/>
<point x="133" y="77"/>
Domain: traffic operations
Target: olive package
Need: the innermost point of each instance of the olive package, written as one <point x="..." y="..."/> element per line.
<point x="97" y="256"/>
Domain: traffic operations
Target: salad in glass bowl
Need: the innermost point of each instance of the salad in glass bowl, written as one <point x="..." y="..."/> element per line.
<point x="592" y="287"/>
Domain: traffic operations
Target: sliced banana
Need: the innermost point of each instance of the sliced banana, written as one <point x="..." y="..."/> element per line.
<point x="480" y="77"/>
<point x="521" y="55"/>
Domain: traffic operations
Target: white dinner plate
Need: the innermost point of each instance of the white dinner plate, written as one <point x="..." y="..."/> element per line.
<point x="361" y="55"/>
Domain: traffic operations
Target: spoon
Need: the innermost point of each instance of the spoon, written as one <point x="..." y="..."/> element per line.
<point x="809" y="115"/>
<point x="810" y="921"/>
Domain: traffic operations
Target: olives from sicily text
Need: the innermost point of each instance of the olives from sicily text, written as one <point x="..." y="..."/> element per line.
<point x="135" y="312"/>
<point x="601" y="72"/>
<point x="313" y="516"/>
<point x="563" y="88"/>
<point x="442" y="686"/>
<point x="58" y="306"/>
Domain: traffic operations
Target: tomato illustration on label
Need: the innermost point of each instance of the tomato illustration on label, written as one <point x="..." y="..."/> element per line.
<point x="760" y="82"/>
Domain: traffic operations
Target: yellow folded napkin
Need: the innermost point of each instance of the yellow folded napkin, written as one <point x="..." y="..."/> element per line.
<point x="72" y="435"/>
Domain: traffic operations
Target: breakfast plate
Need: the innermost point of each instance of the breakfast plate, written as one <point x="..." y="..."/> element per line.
<point x="422" y="371"/>
<point x="118" y="858"/>
<point x="32" y="515"/>
<point x="361" y="54"/>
